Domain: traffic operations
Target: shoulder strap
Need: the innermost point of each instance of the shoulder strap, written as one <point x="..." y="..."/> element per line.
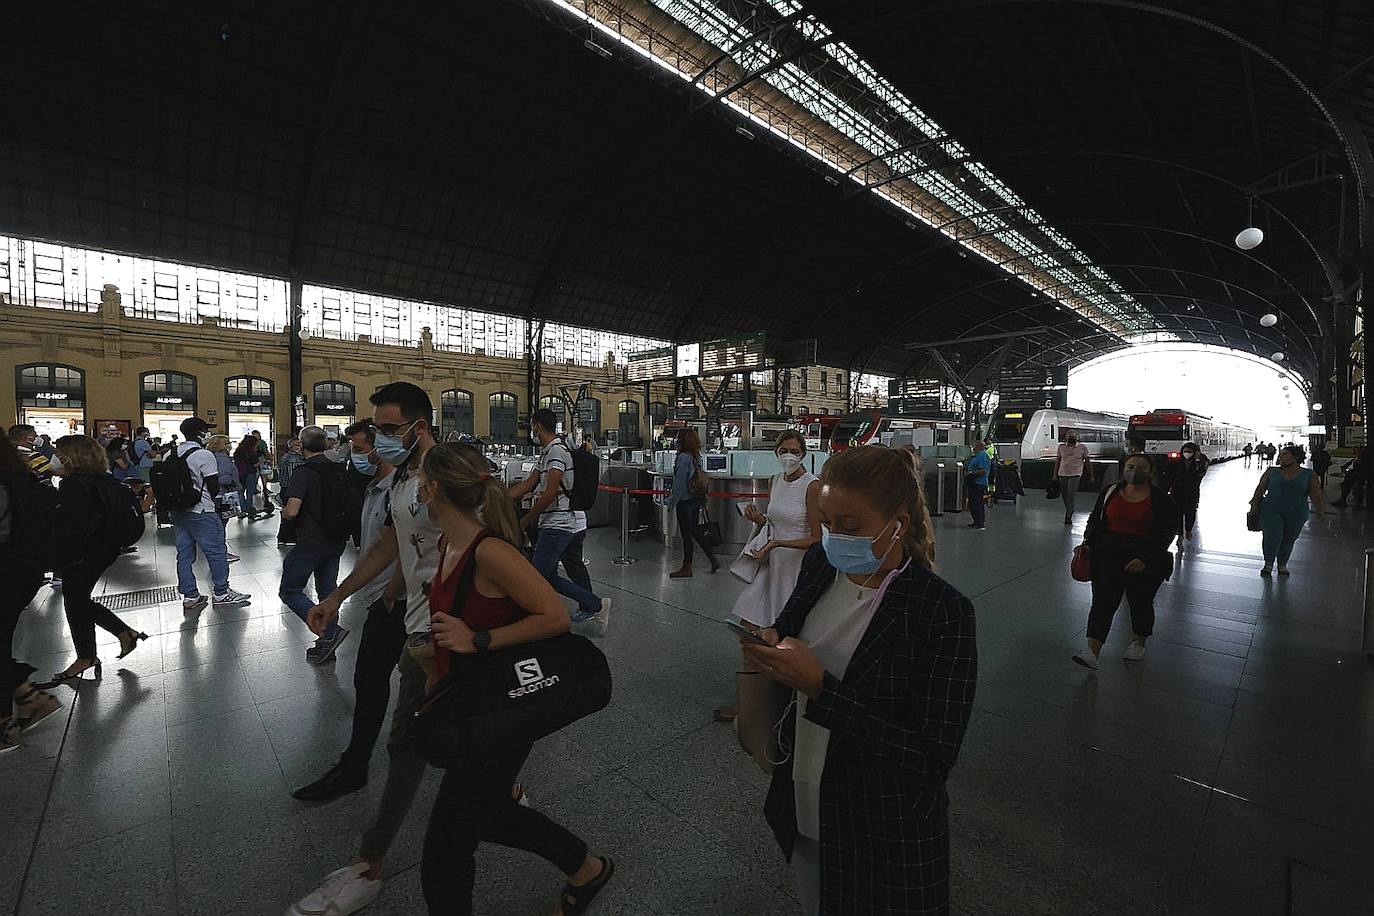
<point x="468" y="576"/>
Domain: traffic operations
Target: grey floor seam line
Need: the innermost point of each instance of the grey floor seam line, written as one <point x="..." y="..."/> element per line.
<point x="47" y="800"/>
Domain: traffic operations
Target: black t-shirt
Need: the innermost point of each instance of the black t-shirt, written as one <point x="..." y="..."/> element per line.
<point x="306" y="486"/>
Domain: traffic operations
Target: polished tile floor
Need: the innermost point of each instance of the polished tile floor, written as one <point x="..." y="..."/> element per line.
<point x="1231" y="772"/>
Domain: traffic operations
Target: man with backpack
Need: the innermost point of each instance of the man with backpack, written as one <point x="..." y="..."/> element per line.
<point x="186" y="482"/>
<point x="326" y="509"/>
<point x="558" y="496"/>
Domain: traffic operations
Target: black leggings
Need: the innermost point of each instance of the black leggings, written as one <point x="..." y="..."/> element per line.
<point x="84" y="613"/>
<point x="18" y="585"/>
<point x="687" y="512"/>
<point x="1111" y="582"/>
<point x="474" y="806"/>
<point x="1187" y="508"/>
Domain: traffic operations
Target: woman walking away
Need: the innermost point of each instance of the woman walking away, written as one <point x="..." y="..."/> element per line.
<point x="229" y="502"/>
<point x="21" y="583"/>
<point x="1129" y="533"/>
<point x="881" y="654"/>
<point x="1186" y="488"/>
<point x="507" y="604"/>
<point x="687" y="503"/>
<point x="1281" y="500"/>
<point x="793" y="526"/>
<point x="247" y="461"/>
<point x="82" y="465"/>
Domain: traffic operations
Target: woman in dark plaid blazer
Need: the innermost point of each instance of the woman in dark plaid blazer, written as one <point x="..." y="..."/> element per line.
<point x="896" y="713"/>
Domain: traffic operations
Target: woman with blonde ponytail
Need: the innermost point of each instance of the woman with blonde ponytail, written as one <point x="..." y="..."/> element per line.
<point x="882" y="656"/>
<point x="507" y="603"/>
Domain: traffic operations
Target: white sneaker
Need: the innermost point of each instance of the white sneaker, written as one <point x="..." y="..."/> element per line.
<point x="344" y="891"/>
<point x="602" y="622"/>
<point x="1087" y="658"/>
<point x="232" y="598"/>
<point x="1134" y="652"/>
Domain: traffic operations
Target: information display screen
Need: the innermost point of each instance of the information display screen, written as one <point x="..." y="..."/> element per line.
<point x="734" y="354"/>
<point x="688" y="360"/>
<point x="1047" y="386"/>
<point x="651" y="365"/>
<point x="914" y="396"/>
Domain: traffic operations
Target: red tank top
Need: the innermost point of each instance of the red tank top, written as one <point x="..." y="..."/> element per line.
<point x="1125" y="517"/>
<point x="479" y="611"/>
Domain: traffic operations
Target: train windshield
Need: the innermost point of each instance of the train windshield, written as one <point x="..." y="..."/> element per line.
<point x="1009" y="431"/>
<point x="1160" y="431"/>
<point x="855" y="424"/>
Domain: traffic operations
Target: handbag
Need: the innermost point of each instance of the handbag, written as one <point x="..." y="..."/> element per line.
<point x="746" y="567"/>
<point x="510" y="697"/>
<point x="1081" y="566"/>
<point x="709" y="529"/>
<point x="1252" y="521"/>
<point x="761" y="709"/>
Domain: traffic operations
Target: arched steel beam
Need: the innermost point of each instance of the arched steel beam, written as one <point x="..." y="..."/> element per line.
<point x="1363" y="178"/>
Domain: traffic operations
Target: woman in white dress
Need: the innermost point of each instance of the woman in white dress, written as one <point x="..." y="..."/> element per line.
<point x="794" y="526"/>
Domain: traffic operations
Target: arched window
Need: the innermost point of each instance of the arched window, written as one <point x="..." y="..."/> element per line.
<point x="629" y="424"/>
<point x="168" y="391"/>
<point x="503" y="417"/>
<point x="589" y="417"/>
<point x="457" y="414"/>
<point x="658" y="412"/>
<point x="51" y="398"/>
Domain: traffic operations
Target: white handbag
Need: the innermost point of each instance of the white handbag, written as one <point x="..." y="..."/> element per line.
<point x="746" y="567"/>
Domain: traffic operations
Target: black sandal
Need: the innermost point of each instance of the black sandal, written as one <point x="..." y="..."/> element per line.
<point x="575" y="900"/>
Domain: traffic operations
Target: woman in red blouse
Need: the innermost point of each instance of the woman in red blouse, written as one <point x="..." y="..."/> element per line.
<point x="508" y="604"/>
<point x="1129" y="533"/>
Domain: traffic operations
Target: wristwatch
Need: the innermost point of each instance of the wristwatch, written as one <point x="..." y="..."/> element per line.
<point x="481" y="640"/>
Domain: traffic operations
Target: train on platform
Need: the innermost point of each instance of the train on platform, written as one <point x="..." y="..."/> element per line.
<point x="880" y="427"/>
<point x="1165" y="429"/>
<point x="1030" y="438"/>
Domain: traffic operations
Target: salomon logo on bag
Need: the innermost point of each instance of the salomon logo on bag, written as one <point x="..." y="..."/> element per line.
<point x="531" y="677"/>
<point x="173" y="484"/>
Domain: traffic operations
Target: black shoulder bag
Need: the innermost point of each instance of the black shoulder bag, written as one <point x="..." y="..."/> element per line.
<point x="508" y="697"/>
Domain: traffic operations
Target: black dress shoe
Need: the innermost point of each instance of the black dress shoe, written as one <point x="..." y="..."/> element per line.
<point x="340" y="780"/>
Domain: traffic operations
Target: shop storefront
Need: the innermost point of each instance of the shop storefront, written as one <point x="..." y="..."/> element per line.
<point x="166" y="398"/>
<point x="336" y="406"/>
<point x="456" y="414"/>
<point x="249" y="404"/>
<point x="51" y="398"/>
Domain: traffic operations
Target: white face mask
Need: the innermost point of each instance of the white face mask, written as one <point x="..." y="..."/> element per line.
<point x="55" y="463"/>
<point x="790" y="462"/>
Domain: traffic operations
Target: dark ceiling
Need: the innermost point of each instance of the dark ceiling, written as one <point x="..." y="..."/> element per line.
<point x="478" y="154"/>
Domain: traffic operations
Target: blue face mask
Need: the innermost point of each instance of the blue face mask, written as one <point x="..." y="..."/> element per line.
<point x="392" y="449"/>
<point x="362" y="465"/>
<point x="850" y="553"/>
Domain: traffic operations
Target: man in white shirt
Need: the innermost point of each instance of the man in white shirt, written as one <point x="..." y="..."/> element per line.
<point x="200" y="525"/>
<point x="552" y="513"/>
<point x="1071" y="465"/>
<point x="401" y="415"/>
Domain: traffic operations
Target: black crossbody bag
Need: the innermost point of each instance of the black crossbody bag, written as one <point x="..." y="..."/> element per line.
<point x="508" y="697"/>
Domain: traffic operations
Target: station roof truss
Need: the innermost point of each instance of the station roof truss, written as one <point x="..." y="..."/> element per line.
<point x="871" y="173"/>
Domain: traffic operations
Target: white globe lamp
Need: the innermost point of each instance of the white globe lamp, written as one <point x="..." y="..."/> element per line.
<point x="1277" y="357"/>
<point x="1249" y="238"/>
<point x="1269" y="320"/>
<point x="1317" y="406"/>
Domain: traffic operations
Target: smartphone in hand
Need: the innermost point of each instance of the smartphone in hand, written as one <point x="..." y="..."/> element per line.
<point x="746" y="633"/>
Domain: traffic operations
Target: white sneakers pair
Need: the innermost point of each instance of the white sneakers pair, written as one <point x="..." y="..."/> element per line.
<point x="344" y="891"/>
<point x="1089" y="659"/>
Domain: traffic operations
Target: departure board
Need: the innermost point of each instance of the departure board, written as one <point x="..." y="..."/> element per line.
<point x="651" y="365"/>
<point x="734" y="354"/>
<point x="915" y="396"/>
<point x="1047" y="386"/>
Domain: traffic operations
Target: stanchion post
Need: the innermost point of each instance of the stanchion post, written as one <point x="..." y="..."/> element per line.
<point x="624" y="559"/>
<point x="940" y="488"/>
<point x="1369" y="603"/>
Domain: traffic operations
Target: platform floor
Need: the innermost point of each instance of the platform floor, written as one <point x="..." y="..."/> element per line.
<point x="1231" y="772"/>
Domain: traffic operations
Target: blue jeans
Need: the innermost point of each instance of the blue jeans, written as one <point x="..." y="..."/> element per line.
<point x="249" y="492"/>
<point x="206" y="530"/>
<point x="548" y="550"/>
<point x="299" y="565"/>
